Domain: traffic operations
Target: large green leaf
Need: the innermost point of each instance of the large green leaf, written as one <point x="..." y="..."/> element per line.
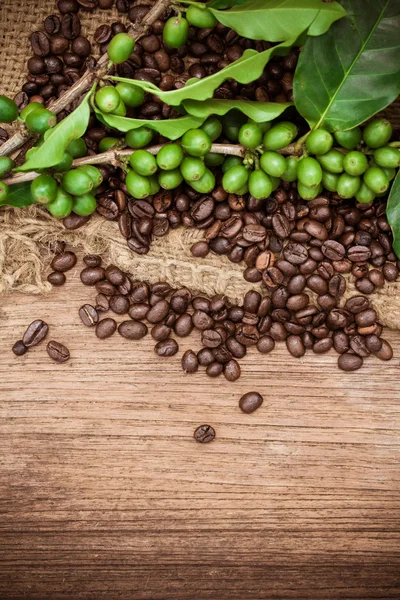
<point x="245" y="70"/>
<point x="224" y="3"/>
<point x="258" y="111"/>
<point x="393" y="213"/>
<point x="280" y="20"/>
<point x="352" y="72"/>
<point x="19" y="195"/>
<point x="52" y="150"/>
<point x="171" y="129"/>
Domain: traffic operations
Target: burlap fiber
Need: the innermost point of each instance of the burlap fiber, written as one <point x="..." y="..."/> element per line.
<point x="25" y="234"/>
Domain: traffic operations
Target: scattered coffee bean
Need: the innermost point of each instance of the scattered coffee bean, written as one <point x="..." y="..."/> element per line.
<point x="166" y="348"/>
<point x="204" y="434"/>
<point x="57" y="352"/>
<point x="35" y="333"/>
<point x="250" y="402"/>
<point x="63" y="262"/>
<point x="19" y="348"/>
<point x="89" y="315"/>
<point x="132" y="330"/>
<point x="190" y="363"/>
<point x="105" y="328"/>
<point x="350" y="362"/>
<point x="56" y="278"/>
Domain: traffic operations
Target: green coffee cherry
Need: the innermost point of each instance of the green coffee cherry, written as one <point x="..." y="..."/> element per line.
<point x="94" y="174"/>
<point x="131" y="95"/>
<point x="234" y="179"/>
<point x="77" y="182"/>
<point x="196" y="142"/>
<point x="205" y="184"/>
<point x="213" y="160"/>
<point x="377" y="133"/>
<point x="308" y="193"/>
<point x="8" y="110"/>
<point x="348" y="139"/>
<point x="291" y="169"/>
<point x="40" y="120"/>
<point x="213" y="128"/>
<point x="120" y="111"/>
<point x="231" y="161"/>
<point x="388" y="157"/>
<point x="29" y="108"/>
<point x="44" y="189"/>
<point x="231" y="124"/>
<point x="391" y="173"/>
<point x="348" y="185"/>
<point x="77" y="148"/>
<point x="266" y="126"/>
<point x="201" y="17"/>
<point x="84" y="205"/>
<point x="138" y="186"/>
<point x="376" y="179"/>
<point x="273" y="163"/>
<point x="365" y="195"/>
<point x="309" y="172"/>
<point x="355" y="163"/>
<point x="6" y="164"/>
<point x="138" y="138"/>
<point x="169" y="180"/>
<point x="107" y="99"/>
<point x="332" y="161"/>
<point x="276" y="182"/>
<point x="61" y="207"/>
<point x="65" y="164"/>
<point x="192" y="168"/>
<point x="120" y="48"/>
<point x="250" y="135"/>
<point x="319" y="142"/>
<point x="280" y="135"/>
<point x="154" y="185"/>
<point x="170" y="157"/>
<point x="108" y="142"/>
<point x="260" y="184"/>
<point x="176" y="31"/>
<point x="330" y="181"/>
<point x="4" y="189"/>
<point x="143" y="163"/>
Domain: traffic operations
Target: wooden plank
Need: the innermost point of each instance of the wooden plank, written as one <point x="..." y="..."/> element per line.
<point x="105" y="494"/>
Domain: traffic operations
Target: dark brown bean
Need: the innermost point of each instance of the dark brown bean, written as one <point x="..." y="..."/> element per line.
<point x="63" y="262"/>
<point x="250" y="402"/>
<point x="350" y="362"/>
<point x="119" y="304"/>
<point x="214" y="369"/>
<point x="56" y="278"/>
<point x="323" y="345"/>
<point x="35" y="333"/>
<point x="19" y="348"/>
<point x="166" y="348"/>
<point x="92" y="275"/>
<point x="189" y="362"/>
<point x="158" y="312"/>
<point x="57" y="352"/>
<point x="295" y="345"/>
<point x="106" y="328"/>
<point x="265" y="344"/>
<point x="204" y="434"/>
<point x="232" y="370"/>
<point x="89" y="315"/>
<point x="183" y="325"/>
<point x="160" y="332"/>
<point x="385" y="352"/>
<point x="132" y="330"/>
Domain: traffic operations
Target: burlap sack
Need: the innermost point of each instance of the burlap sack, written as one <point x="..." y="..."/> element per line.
<point x="26" y="234"/>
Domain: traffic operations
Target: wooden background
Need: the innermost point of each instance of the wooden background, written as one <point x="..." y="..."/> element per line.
<point x="105" y="495"/>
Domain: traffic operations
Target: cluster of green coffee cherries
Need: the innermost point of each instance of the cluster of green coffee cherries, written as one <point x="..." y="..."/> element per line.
<point x="176" y="29"/>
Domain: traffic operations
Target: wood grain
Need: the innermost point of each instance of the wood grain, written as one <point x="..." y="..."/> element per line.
<point x="105" y="495"/>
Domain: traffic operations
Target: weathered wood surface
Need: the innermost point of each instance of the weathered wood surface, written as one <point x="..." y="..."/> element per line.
<point x="105" y="495"/>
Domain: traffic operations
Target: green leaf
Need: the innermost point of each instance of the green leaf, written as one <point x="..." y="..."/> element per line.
<point x="280" y="20"/>
<point x="258" y="111"/>
<point x="52" y="150"/>
<point x="224" y="3"/>
<point x="352" y="72"/>
<point x="245" y="70"/>
<point x="171" y="129"/>
<point x="19" y="195"/>
<point x="393" y="213"/>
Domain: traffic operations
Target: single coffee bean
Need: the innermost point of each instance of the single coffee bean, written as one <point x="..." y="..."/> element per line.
<point x="373" y="343"/>
<point x="58" y="352"/>
<point x="166" y="348"/>
<point x="63" y="262"/>
<point x="364" y="286"/>
<point x="52" y="24"/>
<point x="204" y="434"/>
<point x="205" y="356"/>
<point x="56" y="278"/>
<point x="106" y="328"/>
<point x="40" y="43"/>
<point x="214" y="369"/>
<point x="92" y="275"/>
<point x="317" y="284"/>
<point x="102" y="303"/>
<point x="333" y="250"/>
<point x="232" y="370"/>
<point x="89" y="315"/>
<point x="250" y="402"/>
<point x="366" y="317"/>
<point x="160" y="332"/>
<point x="357" y="304"/>
<point x="298" y="302"/>
<point x="19" y="348"/>
<point x="337" y="285"/>
<point x="119" y="304"/>
<point x="295" y="345"/>
<point x="183" y="325"/>
<point x="265" y="344"/>
<point x="190" y="363"/>
<point x="323" y="345"/>
<point x="35" y="333"/>
<point x="296" y="254"/>
<point x="158" y="312"/>
<point x="211" y="338"/>
<point x="114" y="275"/>
<point x="70" y="26"/>
<point x="390" y="272"/>
<point x="358" y="345"/>
<point x="237" y="349"/>
<point x="132" y="330"/>
<point x="202" y="320"/>
<point x="341" y="342"/>
<point x="385" y="352"/>
<point x="252" y="301"/>
<point x="74" y="221"/>
<point x="350" y="362"/>
<point x="92" y="260"/>
<point x="106" y="288"/>
<point x="248" y="335"/>
<point x="376" y="277"/>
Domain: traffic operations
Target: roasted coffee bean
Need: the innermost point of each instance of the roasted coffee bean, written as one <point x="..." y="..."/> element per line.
<point x="376" y="277"/>
<point x="326" y="270"/>
<point x="125" y="225"/>
<point x="316" y="229"/>
<point x="35" y="333"/>
<point x="114" y="275"/>
<point x="180" y="300"/>
<point x="183" y="325"/>
<point x="89" y="315"/>
<point x="56" y="278"/>
<point x="200" y="249"/>
<point x="70" y="26"/>
<point x="160" y="332"/>
<point x="57" y="352"/>
<point x="337" y="286"/>
<point x="254" y="233"/>
<point x="140" y="292"/>
<point x="385" y="352"/>
<point x="203" y="208"/>
<point x="357" y="304"/>
<point x="214" y="369"/>
<point x="204" y="434"/>
<point x="232" y="370"/>
<point x="92" y="275"/>
<point x="337" y="319"/>
<point x="358" y="345"/>
<point x="390" y="272"/>
<point x="365" y="286"/>
<point x="158" y="312"/>
<point x="81" y="46"/>
<point x="92" y="260"/>
<point x="297" y="302"/>
<point x="250" y="402"/>
<point x="373" y="343"/>
<point x="126" y="287"/>
<point x="237" y="349"/>
<point x="251" y="302"/>
<point x="366" y="317"/>
<point x="296" y="284"/>
<point x="119" y="304"/>
<point x="341" y="342"/>
<point x="272" y="277"/>
<point x="350" y="362"/>
<point x="317" y="284"/>
<point x="190" y="363"/>
<point x="52" y="24"/>
<point x="296" y="254"/>
<point x="40" y="43"/>
<point x="327" y="302"/>
<point x="279" y="297"/>
<point x="139" y="311"/>
<point x="281" y="226"/>
<point x="36" y="66"/>
<point x="278" y="332"/>
<point x="106" y="288"/>
<point x="333" y="250"/>
<point x="222" y="354"/>
<point x="74" y="221"/>
<point x="107" y="208"/>
<point x="358" y="253"/>
<point x="166" y="348"/>
<point x="205" y="357"/>
<point x="102" y="303"/>
<point x="103" y="34"/>
<point x="248" y="335"/>
<point x="160" y="227"/>
<point x="19" y="348"/>
<point x="106" y="328"/>
<point x="265" y="344"/>
<point x="286" y="268"/>
<point x="63" y="262"/>
<point x="132" y="330"/>
<point x="323" y="345"/>
<point x="211" y="338"/>
<point x="295" y="345"/>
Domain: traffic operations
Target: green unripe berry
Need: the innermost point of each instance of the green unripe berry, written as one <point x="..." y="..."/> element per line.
<point x="169" y="180"/>
<point x="84" y="205"/>
<point x="348" y="139"/>
<point x="250" y="135"/>
<point x="377" y="133"/>
<point x="8" y="110"/>
<point x="77" y="182"/>
<point x="266" y="126"/>
<point x="120" y="48"/>
<point x="308" y="193"/>
<point x="201" y="17"/>
<point x="193" y="168"/>
<point x="365" y="195"/>
<point x="260" y="184"/>
<point x="6" y="164"/>
<point x="108" y="142"/>
<point x="231" y="161"/>
<point x="309" y="172"/>
<point x="94" y="174"/>
<point x="391" y="173"/>
<point x="332" y="161"/>
<point x="276" y="182"/>
<point x="154" y="185"/>
<point x="143" y="163"/>
<point x="170" y="157"/>
<point x="205" y="184"/>
<point x="138" y="186"/>
<point x="319" y="142"/>
<point x="107" y="99"/>
<point x="213" y="128"/>
<point x="40" y="120"/>
<point x="196" y="142"/>
<point x="348" y="185"/>
<point x="231" y="124"/>
<point x="376" y="179"/>
<point x="388" y="157"/>
<point x="234" y="179"/>
<point x="29" y="108"/>
<point x="44" y="189"/>
<point x="61" y="207"/>
<point x="290" y="174"/>
<point x="77" y="148"/>
<point x="280" y="135"/>
<point x="65" y="164"/>
<point x="120" y="111"/>
<point x="273" y="163"/>
<point x="131" y="95"/>
<point x="330" y="181"/>
<point x="355" y="163"/>
<point x="4" y="189"/>
<point x="213" y="160"/>
<point x="176" y="31"/>
<point x="139" y="138"/>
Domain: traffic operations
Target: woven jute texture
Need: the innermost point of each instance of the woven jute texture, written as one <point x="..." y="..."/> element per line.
<point x="25" y="234"/>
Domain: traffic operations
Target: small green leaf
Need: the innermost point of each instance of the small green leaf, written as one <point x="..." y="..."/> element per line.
<point x="258" y="111"/>
<point x="393" y="213"/>
<point x="52" y="150"/>
<point x="19" y="195"/>
<point x="280" y="20"/>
